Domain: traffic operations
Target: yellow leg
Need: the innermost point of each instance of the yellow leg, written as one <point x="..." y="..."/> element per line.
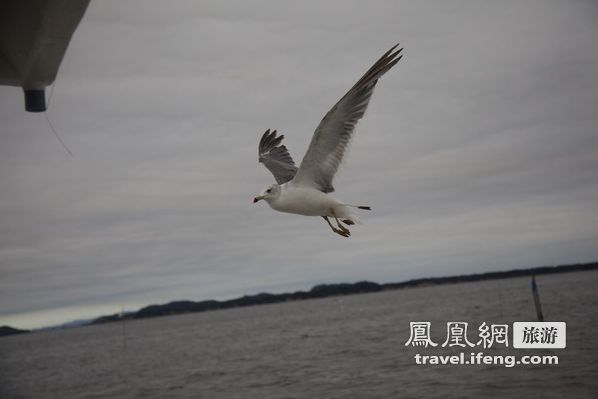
<point x="344" y="233"/>
<point x="338" y="223"/>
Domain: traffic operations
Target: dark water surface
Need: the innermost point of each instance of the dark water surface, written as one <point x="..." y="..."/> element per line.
<point x="343" y="347"/>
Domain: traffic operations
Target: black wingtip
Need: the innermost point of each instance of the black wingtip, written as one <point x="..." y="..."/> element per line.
<point x="367" y="208"/>
<point x="392" y="53"/>
<point x="263" y="139"/>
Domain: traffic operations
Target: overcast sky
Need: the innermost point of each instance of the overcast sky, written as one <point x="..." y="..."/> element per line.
<point x="479" y="150"/>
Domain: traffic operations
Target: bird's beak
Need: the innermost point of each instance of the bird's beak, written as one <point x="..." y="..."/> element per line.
<point x="256" y="199"/>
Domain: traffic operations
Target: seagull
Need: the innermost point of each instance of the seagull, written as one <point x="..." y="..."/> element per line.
<point x="304" y="190"/>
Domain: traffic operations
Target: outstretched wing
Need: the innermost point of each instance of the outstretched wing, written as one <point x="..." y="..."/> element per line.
<point x="276" y="157"/>
<point x="332" y="136"/>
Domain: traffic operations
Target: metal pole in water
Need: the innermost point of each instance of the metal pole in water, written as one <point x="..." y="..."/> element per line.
<point x="537" y="300"/>
<point x="122" y="319"/>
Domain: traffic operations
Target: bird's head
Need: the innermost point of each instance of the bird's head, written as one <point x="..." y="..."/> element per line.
<point x="268" y="194"/>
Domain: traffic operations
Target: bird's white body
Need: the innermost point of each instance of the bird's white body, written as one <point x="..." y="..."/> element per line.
<point x="307" y="201"/>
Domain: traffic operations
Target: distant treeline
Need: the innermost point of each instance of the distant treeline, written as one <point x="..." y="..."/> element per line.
<point x="319" y="291"/>
<point x="327" y="290"/>
<point x="6" y="330"/>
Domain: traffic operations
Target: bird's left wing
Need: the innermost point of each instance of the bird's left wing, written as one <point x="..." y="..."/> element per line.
<point x="332" y="136"/>
<point x="276" y="157"/>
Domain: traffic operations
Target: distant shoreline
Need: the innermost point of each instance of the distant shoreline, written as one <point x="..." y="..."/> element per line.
<point x="319" y="291"/>
<point x="328" y="290"/>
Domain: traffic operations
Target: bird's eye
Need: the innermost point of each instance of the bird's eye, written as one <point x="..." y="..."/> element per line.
<point x="269" y="190"/>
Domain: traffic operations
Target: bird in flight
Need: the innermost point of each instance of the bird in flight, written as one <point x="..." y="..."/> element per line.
<point x="305" y="190"/>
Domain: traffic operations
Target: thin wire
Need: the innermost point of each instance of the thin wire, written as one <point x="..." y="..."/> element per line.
<point x="50" y="123"/>
<point x="57" y="135"/>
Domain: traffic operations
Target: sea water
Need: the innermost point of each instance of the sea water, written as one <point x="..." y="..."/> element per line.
<point x="339" y="347"/>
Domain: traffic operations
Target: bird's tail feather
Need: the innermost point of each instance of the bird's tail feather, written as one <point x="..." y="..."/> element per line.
<point x="364" y="207"/>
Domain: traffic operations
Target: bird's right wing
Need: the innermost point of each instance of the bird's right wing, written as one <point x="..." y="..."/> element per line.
<point x="332" y="136"/>
<point x="276" y="157"/>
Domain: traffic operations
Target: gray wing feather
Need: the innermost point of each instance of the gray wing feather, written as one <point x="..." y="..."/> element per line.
<point x="276" y="157"/>
<point x="333" y="134"/>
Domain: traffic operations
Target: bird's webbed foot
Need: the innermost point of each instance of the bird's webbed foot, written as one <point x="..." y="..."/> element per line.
<point x="340" y="230"/>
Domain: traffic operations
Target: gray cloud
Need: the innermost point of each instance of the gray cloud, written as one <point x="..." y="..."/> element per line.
<point x="479" y="150"/>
